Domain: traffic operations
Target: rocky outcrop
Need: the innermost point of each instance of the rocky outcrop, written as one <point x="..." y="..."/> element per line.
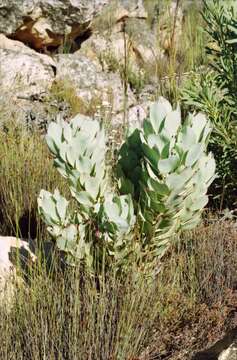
<point x="27" y="75"/>
<point x="24" y="74"/>
<point x="43" y="24"/>
<point x="33" y="57"/>
<point x="131" y="9"/>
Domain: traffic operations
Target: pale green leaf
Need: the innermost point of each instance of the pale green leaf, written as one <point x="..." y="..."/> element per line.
<point x="193" y="154"/>
<point x="166" y="166"/>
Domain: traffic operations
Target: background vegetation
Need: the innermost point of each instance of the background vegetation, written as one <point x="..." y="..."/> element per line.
<point x="213" y="92"/>
<point x="63" y="314"/>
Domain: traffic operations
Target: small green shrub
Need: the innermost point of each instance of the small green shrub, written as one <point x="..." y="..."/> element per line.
<point x="103" y="219"/>
<point x="163" y="170"/>
<point x="166" y="169"/>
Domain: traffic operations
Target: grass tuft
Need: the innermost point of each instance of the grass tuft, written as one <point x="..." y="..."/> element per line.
<point x="25" y="168"/>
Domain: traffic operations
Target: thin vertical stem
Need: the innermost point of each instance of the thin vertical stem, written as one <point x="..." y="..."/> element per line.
<point x="125" y="78"/>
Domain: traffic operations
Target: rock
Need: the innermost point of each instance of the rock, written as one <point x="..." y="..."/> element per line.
<point x="24" y="74"/>
<point x="143" y="41"/>
<point x="43" y="24"/>
<point x="9" y="243"/>
<point x="223" y="349"/>
<point x="90" y="82"/>
<point x="94" y="48"/>
<point x="135" y="115"/>
<point x="130" y="9"/>
<point x="109" y="39"/>
<point x="117" y="11"/>
<point x="26" y="79"/>
<point x="108" y="50"/>
<point x="8" y="272"/>
<point x="19" y="47"/>
<point x="23" y="71"/>
<point x="95" y="71"/>
<point x="230" y="353"/>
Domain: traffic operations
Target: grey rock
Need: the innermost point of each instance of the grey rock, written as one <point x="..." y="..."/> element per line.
<point x="130" y="9"/>
<point x="43" y="23"/>
<point x="135" y="115"/>
<point x="109" y="48"/>
<point x="91" y="82"/>
<point x="25" y="79"/>
<point x="24" y="73"/>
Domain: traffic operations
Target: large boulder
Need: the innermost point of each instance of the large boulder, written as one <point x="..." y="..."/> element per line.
<point x="43" y="24"/>
<point x="23" y="71"/>
<point x="27" y="77"/>
<point x="9" y="244"/>
<point x="117" y="11"/>
<point x="25" y="80"/>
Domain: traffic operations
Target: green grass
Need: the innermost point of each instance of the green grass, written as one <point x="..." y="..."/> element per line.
<point x="64" y="91"/>
<point x="25" y="168"/>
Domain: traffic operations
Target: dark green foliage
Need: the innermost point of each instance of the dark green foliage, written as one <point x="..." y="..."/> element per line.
<point x="214" y="93"/>
<point x="220" y="17"/>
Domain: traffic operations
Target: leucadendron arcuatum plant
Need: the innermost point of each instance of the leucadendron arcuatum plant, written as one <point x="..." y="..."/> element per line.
<point x="166" y="169"/>
<point x="163" y="174"/>
<point x="101" y="221"/>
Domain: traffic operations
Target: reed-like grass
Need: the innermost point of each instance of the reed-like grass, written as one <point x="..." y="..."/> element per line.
<point x="68" y="314"/>
<point x="25" y="168"/>
<point x="73" y="315"/>
<point x="196" y="291"/>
